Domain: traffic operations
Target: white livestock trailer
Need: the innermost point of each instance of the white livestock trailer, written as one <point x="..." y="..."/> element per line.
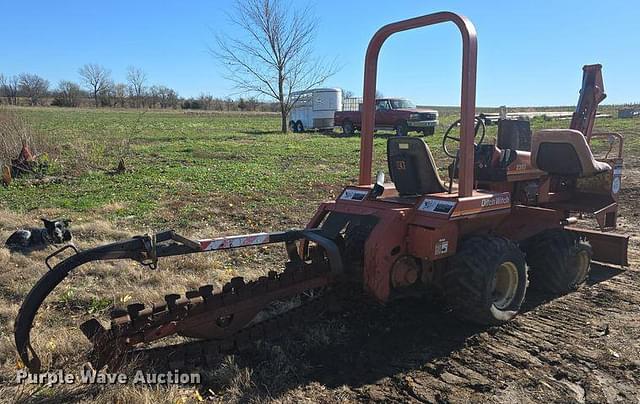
<point x="314" y="109"/>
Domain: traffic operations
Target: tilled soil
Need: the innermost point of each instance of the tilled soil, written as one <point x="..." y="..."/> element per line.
<point x="582" y="347"/>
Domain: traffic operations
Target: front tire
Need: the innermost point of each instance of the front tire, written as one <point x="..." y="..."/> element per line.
<point x="559" y="260"/>
<point x="429" y="131"/>
<point x="299" y="127"/>
<point x="402" y="129"/>
<point x="486" y="281"/>
<point x="292" y="126"/>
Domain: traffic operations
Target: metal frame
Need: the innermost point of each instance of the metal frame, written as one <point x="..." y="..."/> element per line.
<point x="468" y="93"/>
<point x="602" y="135"/>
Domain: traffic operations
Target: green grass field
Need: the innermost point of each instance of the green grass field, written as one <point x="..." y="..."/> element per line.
<point x="185" y="168"/>
<point x="182" y="168"/>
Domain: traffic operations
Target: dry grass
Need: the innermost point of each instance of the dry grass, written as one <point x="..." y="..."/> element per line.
<point x="91" y="291"/>
<point x="14" y="132"/>
<point x="62" y="346"/>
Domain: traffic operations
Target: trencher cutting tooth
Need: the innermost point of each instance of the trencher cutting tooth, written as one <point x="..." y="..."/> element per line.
<point x="225" y="315"/>
<point x="134" y="310"/>
<point x="237" y="283"/>
<point x="171" y="300"/>
<point x="206" y="291"/>
<point x="181" y="356"/>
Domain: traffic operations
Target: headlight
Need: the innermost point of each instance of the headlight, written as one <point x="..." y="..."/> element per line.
<point x="414" y="117"/>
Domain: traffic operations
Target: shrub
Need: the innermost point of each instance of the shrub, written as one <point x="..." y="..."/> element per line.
<point x="14" y="132"/>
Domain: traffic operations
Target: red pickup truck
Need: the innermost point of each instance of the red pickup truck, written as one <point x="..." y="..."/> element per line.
<point x="396" y="114"/>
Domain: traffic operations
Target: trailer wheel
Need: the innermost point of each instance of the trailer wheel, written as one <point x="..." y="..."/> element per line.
<point x="347" y="128"/>
<point x="486" y="281"/>
<point x="559" y="260"/>
<point x="402" y="129"/>
<point x="299" y="127"/>
<point x="292" y="126"/>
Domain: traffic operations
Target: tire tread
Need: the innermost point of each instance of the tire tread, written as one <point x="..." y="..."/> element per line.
<point x="469" y="271"/>
<point x="548" y="256"/>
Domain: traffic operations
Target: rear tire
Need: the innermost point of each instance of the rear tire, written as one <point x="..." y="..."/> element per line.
<point x="292" y="126"/>
<point x="299" y="127"/>
<point x="486" y="281"/>
<point x="559" y="260"/>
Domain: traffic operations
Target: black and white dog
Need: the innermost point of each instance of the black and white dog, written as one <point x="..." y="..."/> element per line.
<point x="54" y="232"/>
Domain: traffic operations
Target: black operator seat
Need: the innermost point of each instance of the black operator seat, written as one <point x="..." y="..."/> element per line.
<point x="412" y="168"/>
<point x="564" y="152"/>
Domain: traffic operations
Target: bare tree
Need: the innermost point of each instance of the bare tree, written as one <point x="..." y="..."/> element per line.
<point x="34" y="87"/>
<point x="107" y="96"/>
<point x="218" y="104"/>
<point x="163" y="96"/>
<point x="13" y="83"/>
<point x="119" y="94"/>
<point x="97" y="79"/>
<point x="137" y="79"/>
<point x="252" y="104"/>
<point x="153" y="96"/>
<point x="206" y="101"/>
<point x="242" y="105"/>
<point x="275" y="57"/>
<point x="347" y="94"/>
<point x="9" y="88"/>
<point x="170" y="99"/>
<point x="68" y="94"/>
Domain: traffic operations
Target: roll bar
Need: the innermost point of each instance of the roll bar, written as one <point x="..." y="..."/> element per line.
<point x="468" y="96"/>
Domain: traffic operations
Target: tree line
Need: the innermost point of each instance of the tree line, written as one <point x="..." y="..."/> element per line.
<point x="271" y="55"/>
<point x="96" y="87"/>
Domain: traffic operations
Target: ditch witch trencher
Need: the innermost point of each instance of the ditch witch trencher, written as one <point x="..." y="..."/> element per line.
<point x="504" y="215"/>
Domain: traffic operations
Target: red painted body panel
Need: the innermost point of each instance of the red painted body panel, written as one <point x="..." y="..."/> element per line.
<point x="405" y="228"/>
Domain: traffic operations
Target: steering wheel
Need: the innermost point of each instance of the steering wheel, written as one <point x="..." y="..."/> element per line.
<point x="447" y="135"/>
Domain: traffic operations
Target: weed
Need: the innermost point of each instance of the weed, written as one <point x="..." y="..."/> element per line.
<point x="68" y="297"/>
<point x="99" y="304"/>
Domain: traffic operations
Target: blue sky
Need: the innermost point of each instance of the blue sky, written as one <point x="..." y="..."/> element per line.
<point x="530" y="52"/>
